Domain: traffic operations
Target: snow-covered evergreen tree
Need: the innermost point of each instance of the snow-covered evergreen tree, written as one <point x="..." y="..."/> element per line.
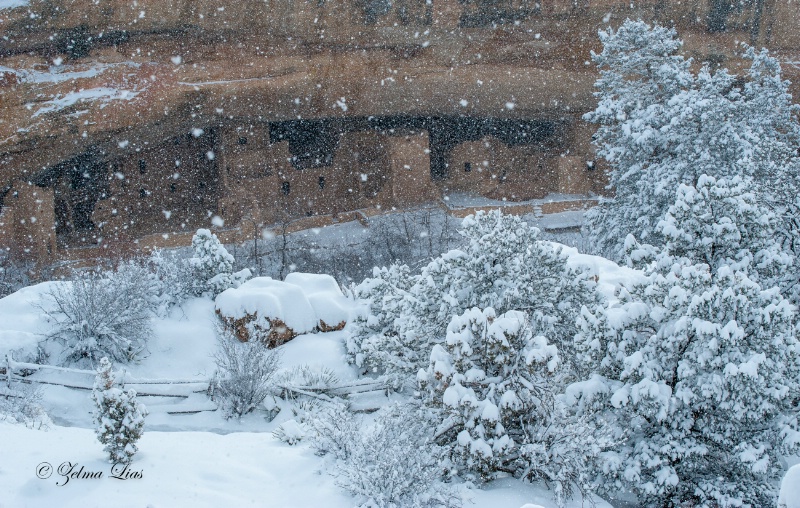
<point x="699" y="364"/>
<point x="496" y="384"/>
<point x="720" y="222"/>
<point x="174" y="280"/>
<point x="503" y="265"/>
<point x="118" y="416"/>
<point x="213" y="265"/>
<point x="374" y="343"/>
<point x="661" y="125"/>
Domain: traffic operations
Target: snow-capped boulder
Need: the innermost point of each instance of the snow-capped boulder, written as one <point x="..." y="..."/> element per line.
<point x="323" y="293"/>
<point x="278" y="311"/>
<point x="272" y="310"/>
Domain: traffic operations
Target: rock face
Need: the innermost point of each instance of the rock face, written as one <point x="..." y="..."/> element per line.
<point x="125" y="119"/>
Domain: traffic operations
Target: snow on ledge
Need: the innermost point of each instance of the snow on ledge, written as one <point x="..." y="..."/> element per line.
<point x="103" y="94"/>
<point x="10" y="4"/>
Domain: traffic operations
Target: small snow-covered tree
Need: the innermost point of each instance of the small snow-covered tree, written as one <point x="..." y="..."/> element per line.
<point x="213" y="265"/>
<point x="497" y="385"/>
<point x="661" y="125"/>
<point x="174" y="279"/>
<point x="506" y="266"/>
<point x="118" y="417"/>
<point x="699" y="363"/>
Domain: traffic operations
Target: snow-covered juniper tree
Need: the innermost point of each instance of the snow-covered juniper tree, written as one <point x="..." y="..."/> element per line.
<point x="503" y="264"/>
<point x="495" y="384"/>
<point x="118" y="416"/>
<point x="661" y="125"/>
<point x="213" y="265"/>
<point x="699" y="363"/>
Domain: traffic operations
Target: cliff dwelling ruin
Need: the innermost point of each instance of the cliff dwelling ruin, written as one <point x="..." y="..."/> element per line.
<point x="123" y="121"/>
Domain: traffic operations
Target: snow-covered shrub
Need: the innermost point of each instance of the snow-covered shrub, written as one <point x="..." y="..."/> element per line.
<point x="332" y="429"/>
<point x="101" y="314"/>
<point x="13" y="274"/>
<point x="290" y="432"/>
<point x="213" y="265"/>
<point x="394" y="463"/>
<point x="698" y="364"/>
<point x="318" y="378"/>
<point x="661" y="124"/>
<point x="22" y="404"/>
<point x="118" y="417"/>
<point x="496" y="384"/>
<point x="503" y="265"/>
<point x="245" y="372"/>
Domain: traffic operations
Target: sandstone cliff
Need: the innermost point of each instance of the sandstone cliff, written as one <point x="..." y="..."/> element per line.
<point x="122" y="119"/>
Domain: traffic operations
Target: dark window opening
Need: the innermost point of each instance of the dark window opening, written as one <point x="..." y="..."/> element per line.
<point x="173" y="187"/>
<point x="201" y="185"/>
<point x="322" y="183"/>
<point x="285" y="188"/>
<point x="467" y="167"/>
<point x="142" y="193"/>
<point x="176" y="141"/>
<point x="242" y="140"/>
<point x="142" y="166"/>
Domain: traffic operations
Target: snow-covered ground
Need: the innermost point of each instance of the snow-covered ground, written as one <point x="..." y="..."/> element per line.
<point x="193" y="459"/>
<point x="201" y="459"/>
<point x="197" y="469"/>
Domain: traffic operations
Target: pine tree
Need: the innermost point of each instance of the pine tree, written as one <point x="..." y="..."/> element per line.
<point x="699" y="363"/>
<point x="720" y="222"/>
<point x="118" y="416"/>
<point x="496" y="383"/>
<point x="503" y="265"/>
<point x="661" y="125"/>
<point x="506" y="266"/>
<point x="374" y="343"/>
